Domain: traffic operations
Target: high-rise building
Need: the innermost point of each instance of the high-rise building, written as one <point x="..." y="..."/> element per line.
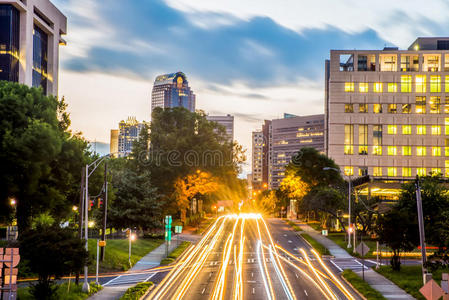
<point x="266" y="133"/>
<point x="30" y="34"/>
<point x="122" y="140"/>
<point x="172" y="90"/>
<point x="227" y="122"/>
<point x="287" y="136"/>
<point x="256" y="166"/>
<point x="387" y="111"/>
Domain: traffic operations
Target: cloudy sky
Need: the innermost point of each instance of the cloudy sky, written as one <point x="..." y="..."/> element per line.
<point x="255" y="59"/>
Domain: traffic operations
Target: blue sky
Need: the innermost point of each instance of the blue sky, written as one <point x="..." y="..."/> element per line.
<point x="255" y="59"/>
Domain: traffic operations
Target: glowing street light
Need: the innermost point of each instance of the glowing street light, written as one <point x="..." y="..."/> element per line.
<point x="12" y="201"/>
<point x="75" y="208"/>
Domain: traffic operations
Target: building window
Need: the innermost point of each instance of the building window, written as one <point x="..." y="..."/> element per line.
<point x="349" y="86"/>
<point x="409" y="63"/>
<point x="377" y="171"/>
<point x="446" y="149"/>
<point x="435" y="84"/>
<point x="363" y="139"/>
<point x="435" y="130"/>
<point x="392" y="171"/>
<point x="431" y="63"/>
<point x="446" y="62"/>
<point x="436" y="172"/>
<point x="421" y="171"/>
<point x="349" y="171"/>
<point x="392" y="129"/>
<point x="406" y="108"/>
<point x="363" y="87"/>
<point x="378" y="87"/>
<point x="406" y="150"/>
<point x="406" y="83"/>
<point x="363" y="108"/>
<point x="392" y="87"/>
<point x="407" y="172"/>
<point x="392" y="150"/>
<point x="446" y="165"/>
<point x="435" y="104"/>
<point x="349" y="139"/>
<point x="420" y="83"/>
<point x="366" y="62"/>
<point x="40" y="58"/>
<point x="407" y="129"/>
<point x="420" y="105"/>
<point x="377" y="108"/>
<point x="377" y="140"/>
<point x="9" y="43"/>
<point x="421" y="151"/>
<point x="392" y="108"/>
<point x="349" y="108"/>
<point x="363" y="171"/>
<point x="347" y="62"/>
<point x="388" y="62"/>
<point x="446" y="126"/>
<point x="446" y="83"/>
<point x="421" y="129"/>
<point x="436" y="151"/>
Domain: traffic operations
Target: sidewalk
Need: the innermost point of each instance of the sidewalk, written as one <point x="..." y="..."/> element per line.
<point x="387" y="288"/>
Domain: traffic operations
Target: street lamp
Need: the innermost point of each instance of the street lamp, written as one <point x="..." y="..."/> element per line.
<point x="349" y="202"/>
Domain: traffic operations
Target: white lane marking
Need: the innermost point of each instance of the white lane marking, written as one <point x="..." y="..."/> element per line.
<point x="285" y="235"/>
<point x="252" y="274"/>
<point x="210" y="274"/>
<point x="373" y="262"/>
<point x="203" y="291"/>
<point x="340" y="269"/>
<point x="305" y="292"/>
<point x="289" y="241"/>
<point x="149" y="277"/>
<point x="112" y="280"/>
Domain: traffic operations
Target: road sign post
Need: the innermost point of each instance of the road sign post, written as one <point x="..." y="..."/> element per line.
<point x="168" y="222"/>
<point x="362" y="249"/>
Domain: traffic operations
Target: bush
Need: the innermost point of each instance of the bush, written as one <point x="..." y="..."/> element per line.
<point x="137" y="291"/>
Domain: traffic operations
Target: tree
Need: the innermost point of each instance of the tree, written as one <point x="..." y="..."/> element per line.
<point x="294" y="186"/>
<point x="51" y="252"/>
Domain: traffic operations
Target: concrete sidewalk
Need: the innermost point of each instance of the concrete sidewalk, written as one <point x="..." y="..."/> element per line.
<point x="387" y="288"/>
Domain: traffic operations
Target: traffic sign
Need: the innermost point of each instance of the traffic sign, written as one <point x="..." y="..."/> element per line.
<point x="324" y="232"/>
<point x="362" y="249"/>
<point x="102" y="243"/>
<point x="178" y="229"/>
<point x="11" y="254"/>
<point x="431" y="290"/>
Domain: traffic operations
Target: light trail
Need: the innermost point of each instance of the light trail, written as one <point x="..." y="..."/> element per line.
<point x="276" y="268"/>
<point x="238" y="288"/>
<point x="262" y="271"/>
<point x="270" y="285"/>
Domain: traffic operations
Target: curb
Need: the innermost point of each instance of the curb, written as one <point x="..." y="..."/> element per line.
<point x="356" y="290"/>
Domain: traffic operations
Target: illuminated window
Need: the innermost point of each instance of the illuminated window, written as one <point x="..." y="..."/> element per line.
<point x="349" y="139"/>
<point x="446" y="126"/>
<point x="446" y="149"/>
<point x="406" y="129"/>
<point x="435" y="130"/>
<point x="421" y="151"/>
<point x="407" y="172"/>
<point x="446" y="84"/>
<point x="363" y="87"/>
<point x="420" y="105"/>
<point x="409" y="63"/>
<point x="435" y="104"/>
<point x="392" y="87"/>
<point x="349" y="108"/>
<point x="436" y="171"/>
<point x="446" y="165"/>
<point x="377" y="171"/>
<point x="363" y="108"/>
<point x="406" y="83"/>
<point x="435" y="84"/>
<point x="420" y="83"/>
<point x="446" y="62"/>
<point x="392" y="150"/>
<point x="392" y="171"/>
<point x="349" y="171"/>
<point x="378" y="87"/>
<point x="363" y="139"/>
<point x="388" y="62"/>
<point x="406" y="150"/>
<point x="436" y="151"/>
<point x="392" y="129"/>
<point x="421" y="129"/>
<point x="431" y="63"/>
<point x="421" y="171"/>
<point x="349" y="86"/>
<point x="406" y="108"/>
<point x="377" y="108"/>
<point x="377" y="140"/>
<point x="446" y="105"/>
<point x="392" y="108"/>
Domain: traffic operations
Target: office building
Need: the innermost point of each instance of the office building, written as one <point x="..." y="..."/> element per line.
<point x="266" y="133"/>
<point x="172" y="90"/>
<point x="286" y="137"/>
<point x="387" y="111"/>
<point x="227" y="122"/>
<point x="256" y="166"/>
<point x="122" y="140"/>
<point x="30" y="34"/>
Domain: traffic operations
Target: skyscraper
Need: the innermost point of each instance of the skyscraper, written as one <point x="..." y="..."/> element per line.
<point x="172" y="90"/>
<point x="227" y="122"/>
<point x="256" y="166"/>
<point x="122" y="139"/>
<point x="30" y="34"/>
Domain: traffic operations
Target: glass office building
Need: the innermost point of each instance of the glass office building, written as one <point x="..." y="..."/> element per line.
<point x="9" y="42"/>
<point x="40" y="58"/>
<point x="172" y="90"/>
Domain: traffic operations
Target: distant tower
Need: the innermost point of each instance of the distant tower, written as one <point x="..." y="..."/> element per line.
<point x="172" y="90"/>
<point x="122" y="139"/>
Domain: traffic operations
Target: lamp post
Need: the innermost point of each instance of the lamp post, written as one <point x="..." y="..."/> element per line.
<point x="349" y="202"/>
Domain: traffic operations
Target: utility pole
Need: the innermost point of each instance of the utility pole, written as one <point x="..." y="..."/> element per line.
<point x="80" y="217"/>
<point x="105" y="208"/>
<point x="422" y="237"/>
<point x="86" y="286"/>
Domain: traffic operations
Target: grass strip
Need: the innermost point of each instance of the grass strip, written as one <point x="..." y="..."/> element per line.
<point x="74" y="293"/>
<point x="364" y="288"/>
<point x="317" y="246"/>
<point x="175" y="253"/>
<point x="293" y="225"/>
<point x="137" y="291"/>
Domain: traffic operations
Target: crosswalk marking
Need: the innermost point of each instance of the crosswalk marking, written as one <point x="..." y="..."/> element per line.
<point x="352" y="264"/>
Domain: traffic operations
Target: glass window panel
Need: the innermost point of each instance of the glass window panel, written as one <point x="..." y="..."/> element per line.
<point x="409" y="63"/>
<point x="436" y="171"/>
<point x="349" y="108"/>
<point x="420" y="107"/>
<point x="406" y="129"/>
<point x="406" y="83"/>
<point x="406" y="108"/>
<point x="349" y="171"/>
<point x="435" y="130"/>
<point x="349" y="86"/>
<point x="392" y="150"/>
<point x="363" y="87"/>
<point x="377" y="140"/>
<point x="377" y="171"/>
<point x="436" y="151"/>
<point x="363" y="108"/>
<point x="446" y="83"/>
<point x="392" y="171"/>
<point x="377" y="108"/>
<point x="431" y="63"/>
<point x="435" y="83"/>
<point x="378" y="87"/>
<point x="421" y="129"/>
<point x="349" y="139"/>
<point x="421" y="151"/>
<point x="420" y="83"/>
<point x="407" y="172"/>
<point x="421" y="171"/>
<point x="446" y="62"/>
<point x="406" y="150"/>
<point x="388" y="62"/>
<point x="392" y="129"/>
<point x="392" y="87"/>
<point x="435" y="104"/>
<point x="392" y="108"/>
<point x="363" y="139"/>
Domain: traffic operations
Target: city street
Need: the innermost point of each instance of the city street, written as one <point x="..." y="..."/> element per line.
<point x="246" y="257"/>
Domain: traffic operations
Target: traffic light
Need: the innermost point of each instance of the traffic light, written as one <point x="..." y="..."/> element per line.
<point x="91" y="204"/>
<point x="99" y="202"/>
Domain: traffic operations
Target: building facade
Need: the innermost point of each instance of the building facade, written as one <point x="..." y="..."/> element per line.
<point x="387" y="111"/>
<point x="286" y="137"/>
<point x="227" y="122"/>
<point x="30" y="34"/>
<point x="256" y="161"/>
<point x="172" y="90"/>
<point x="122" y="140"/>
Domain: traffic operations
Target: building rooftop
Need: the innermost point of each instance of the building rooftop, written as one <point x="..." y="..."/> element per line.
<point x="170" y="78"/>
